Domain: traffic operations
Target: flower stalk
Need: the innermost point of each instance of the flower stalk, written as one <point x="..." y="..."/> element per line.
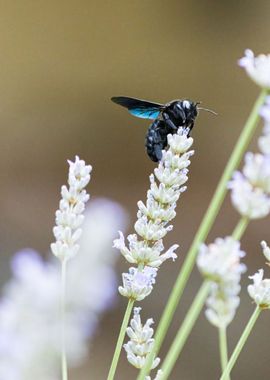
<point x="240" y="228"/>
<point x="184" y="331"/>
<point x="241" y="343"/>
<point x="63" y="324"/>
<point x="120" y="340"/>
<point x="223" y="349"/>
<point x="203" y="230"/>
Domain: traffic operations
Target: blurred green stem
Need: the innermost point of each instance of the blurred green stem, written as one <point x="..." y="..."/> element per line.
<point x="184" y="330"/>
<point x="240" y="228"/>
<point x="63" y="320"/>
<point x="241" y="343"/>
<point x="120" y="340"/>
<point x="223" y="349"/>
<point x="203" y="231"/>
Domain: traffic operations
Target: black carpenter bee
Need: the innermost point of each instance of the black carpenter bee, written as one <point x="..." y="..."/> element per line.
<point x="167" y="119"/>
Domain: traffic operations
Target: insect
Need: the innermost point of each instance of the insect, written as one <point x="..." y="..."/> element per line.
<point x="167" y="119"/>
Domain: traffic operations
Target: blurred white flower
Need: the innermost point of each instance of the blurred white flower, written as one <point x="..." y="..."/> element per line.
<point x="219" y="263"/>
<point x="266" y="250"/>
<point x="222" y="303"/>
<point x="166" y="185"/>
<point x="260" y="290"/>
<point x="138" y="284"/>
<point x="249" y="201"/>
<point x="257" y="171"/>
<point x="69" y="216"/>
<point x="250" y="189"/>
<point x="257" y="68"/>
<point x="141" y="341"/>
<point x="29" y="309"/>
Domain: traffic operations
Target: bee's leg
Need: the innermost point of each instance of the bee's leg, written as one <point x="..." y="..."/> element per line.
<point x="158" y="151"/>
<point x="168" y="122"/>
<point x="190" y="128"/>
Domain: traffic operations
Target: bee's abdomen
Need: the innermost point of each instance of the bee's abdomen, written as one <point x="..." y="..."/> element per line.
<point x="156" y="140"/>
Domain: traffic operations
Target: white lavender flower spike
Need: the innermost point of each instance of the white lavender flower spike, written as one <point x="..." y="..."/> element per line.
<point x="138" y="284"/>
<point x="166" y="185"/>
<point x="259" y="291"/>
<point x="141" y="341"/>
<point x="257" y="68"/>
<point x="69" y="216"/>
<point x="220" y="264"/>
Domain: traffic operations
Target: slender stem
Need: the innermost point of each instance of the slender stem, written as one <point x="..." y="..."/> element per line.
<point x="240" y="228"/>
<point x="203" y="231"/>
<point x="120" y="340"/>
<point x="184" y="330"/>
<point x="63" y="296"/>
<point x="241" y="343"/>
<point x="223" y="349"/>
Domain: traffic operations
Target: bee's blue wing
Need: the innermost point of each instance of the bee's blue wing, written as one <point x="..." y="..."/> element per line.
<point x="139" y="108"/>
<point x="150" y="113"/>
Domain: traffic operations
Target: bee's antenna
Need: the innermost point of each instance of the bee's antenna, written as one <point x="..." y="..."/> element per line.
<point x="207" y="110"/>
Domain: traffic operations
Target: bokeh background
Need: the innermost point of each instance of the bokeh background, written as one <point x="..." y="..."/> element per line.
<point x="61" y="61"/>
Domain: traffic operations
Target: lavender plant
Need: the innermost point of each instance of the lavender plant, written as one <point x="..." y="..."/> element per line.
<point x="67" y="231"/>
<point x="145" y="248"/>
<point x="30" y="327"/>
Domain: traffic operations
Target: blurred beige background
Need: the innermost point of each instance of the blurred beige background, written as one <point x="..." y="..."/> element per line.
<point x="61" y="61"/>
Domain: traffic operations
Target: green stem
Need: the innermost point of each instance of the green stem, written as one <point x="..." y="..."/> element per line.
<point x="240" y="228"/>
<point x="203" y="231"/>
<point x="241" y="343"/>
<point x="120" y="340"/>
<point x="184" y="330"/>
<point x="63" y="296"/>
<point x="223" y="349"/>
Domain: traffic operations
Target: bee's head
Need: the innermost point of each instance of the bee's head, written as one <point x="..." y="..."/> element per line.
<point x="190" y="109"/>
<point x="182" y="112"/>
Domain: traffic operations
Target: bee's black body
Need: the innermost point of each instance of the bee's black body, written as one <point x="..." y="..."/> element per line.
<point x="167" y="119"/>
<point x="156" y="139"/>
